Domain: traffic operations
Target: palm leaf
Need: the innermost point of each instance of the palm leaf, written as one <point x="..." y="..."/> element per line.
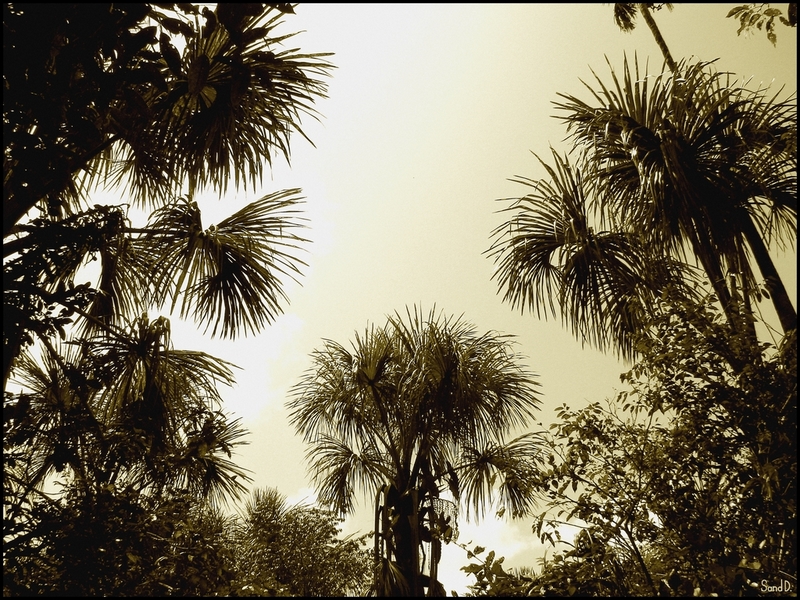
<point x="552" y="261"/>
<point x="515" y="463"/>
<point x="144" y="368"/>
<point x="201" y="469"/>
<point x="229" y="274"/>
<point x="232" y="106"/>
<point x="339" y="471"/>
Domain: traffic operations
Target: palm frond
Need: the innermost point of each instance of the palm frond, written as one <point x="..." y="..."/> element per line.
<point x="229" y="275"/>
<point x="231" y="104"/>
<point x="339" y="471"/>
<point x="552" y="262"/>
<point x="123" y="287"/>
<point x="625" y="15"/>
<point x="53" y="428"/>
<point x="515" y="464"/>
<point x="144" y="368"/>
<point x="201" y="469"/>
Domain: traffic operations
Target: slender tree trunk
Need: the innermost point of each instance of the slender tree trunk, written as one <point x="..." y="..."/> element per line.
<point x="648" y="18"/>
<point x="730" y="304"/>
<point x="787" y="314"/>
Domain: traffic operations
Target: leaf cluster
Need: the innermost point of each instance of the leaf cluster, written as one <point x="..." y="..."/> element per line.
<point x="121" y="543"/>
<point x="295" y="550"/>
<point x="674" y="181"/>
<point x="491" y="579"/>
<point x="762" y="16"/>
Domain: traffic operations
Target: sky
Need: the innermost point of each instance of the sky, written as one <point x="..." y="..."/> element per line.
<point x="432" y="110"/>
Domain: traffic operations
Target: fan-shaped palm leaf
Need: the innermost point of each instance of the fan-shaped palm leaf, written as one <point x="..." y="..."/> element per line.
<point x="229" y="274"/>
<point x="227" y="105"/>
<point x="144" y="368"/>
<point x="54" y="426"/>
<point x="341" y="471"/>
<point x="548" y="254"/>
<point x="201" y="468"/>
<point x="515" y="463"/>
<point x="124" y="286"/>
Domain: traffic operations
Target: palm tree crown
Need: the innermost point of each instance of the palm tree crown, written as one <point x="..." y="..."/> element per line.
<point x="668" y="166"/>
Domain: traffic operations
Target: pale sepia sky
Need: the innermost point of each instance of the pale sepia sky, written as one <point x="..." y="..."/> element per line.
<point x="432" y="109"/>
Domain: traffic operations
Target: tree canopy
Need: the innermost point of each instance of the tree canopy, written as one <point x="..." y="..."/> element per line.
<point x="154" y="103"/>
<point x="668" y="173"/>
<point x="280" y="549"/>
<point x="685" y="484"/>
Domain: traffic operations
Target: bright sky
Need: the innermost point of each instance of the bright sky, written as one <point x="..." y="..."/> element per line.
<point x="432" y="109"/>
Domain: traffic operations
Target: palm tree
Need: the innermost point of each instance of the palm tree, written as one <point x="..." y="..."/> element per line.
<point x="624" y="16"/>
<point x="99" y="95"/>
<point x="127" y="411"/>
<point x="152" y="118"/>
<point x="419" y="406"/>
<point x="678" y="165"/>
<point x="701" y="161"/>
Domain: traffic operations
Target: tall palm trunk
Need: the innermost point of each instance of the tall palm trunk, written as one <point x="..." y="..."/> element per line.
<point x="787" y="314"/>
<point x="662" y="45"/>
<point x="399" y="537"/>
<point x="406" y="535"/>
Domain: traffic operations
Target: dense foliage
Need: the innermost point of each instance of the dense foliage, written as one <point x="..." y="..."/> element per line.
<point x="686" y="484"/>
<point x="295" y="551"/>
<point x="122" y="543"/>
<point x="119" y="543"/>
<point x="153" y="103"/>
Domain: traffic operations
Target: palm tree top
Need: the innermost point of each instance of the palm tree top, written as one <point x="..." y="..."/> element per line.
<point x="413" y="401"/>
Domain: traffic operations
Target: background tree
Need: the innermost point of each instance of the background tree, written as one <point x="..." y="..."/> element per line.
<point x="625" y="18"/>
<point x="296" y="551"/>
<point x="418" y="407"/>
<point x="121" y="543"/>
<point x="685" y="485"/>
<point x="762" y="16"/>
